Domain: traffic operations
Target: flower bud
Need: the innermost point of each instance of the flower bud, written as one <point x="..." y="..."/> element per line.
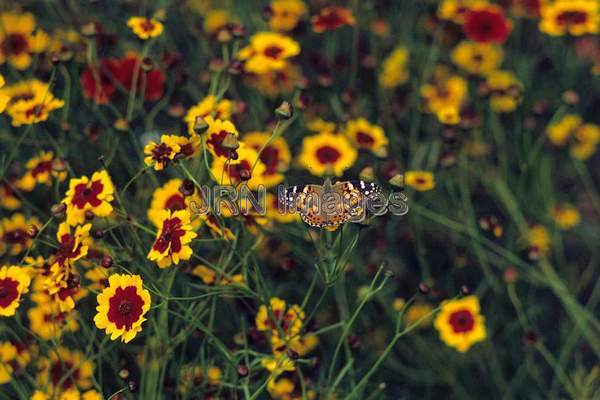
<point x="59" y="211"/>
<point x="200" y="125"/>
<point x="397" y="180"/>
<point x="285" y="110"/>
<point x="424" y="288"/>
<point x="242" y="370"/>
<point x="186" y="188"/>
<point x="132" y="385"/>
<point x="32" y="231"/>
<point x="107" y="261"/>
<point x="89" y="215"/>
<point x="124" y="373"/>
<point x="465" y="290"/>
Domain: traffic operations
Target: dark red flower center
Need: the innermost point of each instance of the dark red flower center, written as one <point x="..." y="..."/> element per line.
<point x="364" y="139"/>
<point x="35" y="111"/>
<point x="462" y="321"/>
<point x="328" y="154"/>
<point x="86" y="193"/>
<point x="171" y="234"/>
<point x="125" y="307"/>
<point x="175" y="202"/>
<point x="60" y="368"/>
<point x="330" y="19"/>
<point x="273" y="52"/>
<point x="161" y="153"/>
<point x="41" y="167"/>
<point x="15" y="44"/>
<point x="8" y="291"/>
<point x="67" y="249"/>
<point x="147" y="25"/>
<point x="571" y="18"/>
<point x="15" y="236"/>
<point x="235" y="171"/>
<point x="270" y="157"/>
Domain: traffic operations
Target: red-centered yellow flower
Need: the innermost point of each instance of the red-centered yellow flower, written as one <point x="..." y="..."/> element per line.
<point x="168" y="197"/>
<point x="275" y="156"/>
<point x="332" y="18"/>
<point x="19" y="39"/>
<point x="14" y="282"/>
<point x="189" y="147"/>
<point x="68" y="394"/>
<point x="89" y="195"/>
<point x="565" y="215"/>
<point x="445" y="95"/>
<point x="209" y="106"/>
<point x="69" y="367"/>
<point x="395" y="68"/>
<point x="539" y="241"/>
<point x="460" y="323"/>
<point x="8" y="353"/>
<point x="278" y="365"/>
<point x="505" y="91"/>
<point x="276" y="83"/>
<point x="8" y="194"/>
<point x="327" y="154"/>
<point x="246" y="168"/>
<point x="455" y="10"/>
<point x="173" y="239"/>
<point x="583" y="138"/>
<point x="574" y="17"/>
<point x="122" y="306"/>
<point x="218" y="134"/>
<point x="419" y="180"/>
<point x="320" y="125"/>
<point x="268" y="51"/>
<point x="273" y="212"/>
<point x="218" y="228"/>
<point x="24" y="90"/>
<point x="48" y="322"/>
<point x="4" y="99"/>
<point x="72" y="246"/>
<point x="477" y="58"/>
<point x="285" y="14"/>
<point x="280" y="318"/>
<point x="41" y="169"/>
<point x="366" y="136"/>
<point x="160" y="155"/>
<point x="13" y="233"/>
<point x="145" y="28"/>
<point x="32" y="111"/>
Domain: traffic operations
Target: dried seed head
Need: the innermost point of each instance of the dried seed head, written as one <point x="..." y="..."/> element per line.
<point x="187" y="188"/>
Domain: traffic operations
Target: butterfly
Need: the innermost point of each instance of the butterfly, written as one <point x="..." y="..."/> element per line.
<point x="330" y="205"/>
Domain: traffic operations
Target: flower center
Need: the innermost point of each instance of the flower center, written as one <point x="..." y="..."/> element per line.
<point x="273" y="52"/>
<point x="364" y="139"/>
<point x="328" y="154"/>
<point x="125" y="307"/>
<point x="571" y="18"/>
<point x="462" y="321"/>
<point x="15" y="43"/>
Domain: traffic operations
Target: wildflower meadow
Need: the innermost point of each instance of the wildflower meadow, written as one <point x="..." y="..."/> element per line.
<point x="299" y="199"/>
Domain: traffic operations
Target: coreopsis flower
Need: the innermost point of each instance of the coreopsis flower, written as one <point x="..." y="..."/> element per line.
<point x="68" y="394"/>
<point x="327" y="153"/>
<point x="122" y="306"/>
<point x="505" y="91"/>
<point x="285" y="14"/>
<point x="487" y="24"/>
<point x="217" y="228"/>
<point x="8" y="194"/>
<point x="275" y="156"/>
<point x="100" y="82"/>
<point x="4" y="99"/>
<point x="538" y="239"/>
<point x="14" y="282"/>
<point x="97" y="278"/>
<point x="189" y="147"/>
<point x="19" y="39"/>
<point x="48" y="322"/>
<point x="72" y="246"/>
<point x="331" y="18"/>
<point x="583" y="138"/>
<point x="418" y="311"/>
<point x="279" y="319"/>
<point x="364" y="135"/>
<point x="460" y="323"/>
<point x="566" y="216"/>
<point x="477" y="58"/>
<point x="246" y="167"/>
<point x="278" y="365"/>
<point x="160" y="155"/>
<point x="33" y="110"/>
<point x="268" y="51"/>
<point x="41" y="169"/>
<point x="168" y="197"/>
<point x="445" y="95"/>
<point x="145" y="28"/>
<point x="419" y="180"/>
<point x="216" y="21"/>
<point x="219" y="132"/>
<point x="573" y="17"/>
<point x="13" y="233"/>
<point x="8" y="353"/>
<point x="455" y="10"/>
<point x="276" y="83"/>
<point x="287" y="389"/>
<point x="207" y="107"/>
<point x="395" y="68"/>
<point x="69" y="367"/>
<point x="173" y="239"/>
<point x="320" y="125"/>
<point x="89" y="195"/>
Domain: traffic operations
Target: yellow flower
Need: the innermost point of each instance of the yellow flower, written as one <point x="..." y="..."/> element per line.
<point x="419" y="180"/>
<point x="122" y="306"/>
<point x="268" y="51"/>
<point x="417" y="311"/>
<point x="275" y="156"/>
<point x="19" y="39"/>
<point x="215" y="20"/>
<point x="286" y="14"/>
<point x="455" y="10"/>
<point x="8" y="353"/>
<point x="48" y="322"/>
<point x="67" y="366"/>
<point x="460" y="323"/>
<point x="583" y="137"/>
<point x="246" y="168"/>
<point x="366" y="136"/>
<point x="445" y="95"/>
<point x="13" y="233"/>
<point x="566" y="216"/>
<point x="160" y="155"/>
<point x="168" y="197"/>
<point x="218" y="134"/>
<point x="92" y="195"/>
<point x="539" y="240"/>
<point x="32" y="111"/>
<point x="278" y="365"/>
<point x="206" y="107"/>
<point x="283" y="322"/>
<point x="276" y="83"/>
<point x="395" y="68"/>
<point x="560" y="132"/>
<point x="327" y="153"/>
<point x="320" y="125"/>
<point x="172" y="239"/>
<point x="575" y="17"/>
<point x="505" y="91"/>
<point x="477" y="58"/>
<point x="41" y="169"/>
<point x="332" y="18"/>
<point x="145" y="28"/>
<point x="4" y="99"/>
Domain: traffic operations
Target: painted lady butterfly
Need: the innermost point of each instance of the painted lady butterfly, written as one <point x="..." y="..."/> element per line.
<point x="330" y="205"/>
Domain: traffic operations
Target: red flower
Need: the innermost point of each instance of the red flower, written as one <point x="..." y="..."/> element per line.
<point x="100" y="92"/>
<point x="153" y="80"/>
<point x="487" y="24"/>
